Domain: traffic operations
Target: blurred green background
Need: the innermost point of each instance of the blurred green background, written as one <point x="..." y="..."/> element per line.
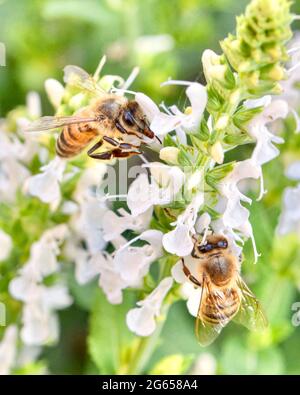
<point x="41" y="37"/>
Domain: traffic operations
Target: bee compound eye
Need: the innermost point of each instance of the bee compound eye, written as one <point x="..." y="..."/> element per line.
<point x="222" y="244"/>
<point x="128" y="118"/>
<point x="206" y="248"/>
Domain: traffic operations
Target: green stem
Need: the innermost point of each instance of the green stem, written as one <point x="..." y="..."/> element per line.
<point x="146" y="348"/>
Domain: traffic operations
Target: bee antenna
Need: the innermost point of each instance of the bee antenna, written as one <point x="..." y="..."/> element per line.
<point x="157" y="138"/>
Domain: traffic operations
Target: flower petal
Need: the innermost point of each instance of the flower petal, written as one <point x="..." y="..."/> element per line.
<point x="178" y="241"/>
<point x="141" y="320"/>
<point x="148" y="106"/>
<point x="197" y="95"/>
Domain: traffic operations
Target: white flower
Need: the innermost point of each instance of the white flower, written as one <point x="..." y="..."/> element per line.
<point x="265" y="150"/>
<point x="42" y="261"/>
<point x="8" y="346"/>
<point x="12" y="175"/>
<point x="40" y="323"/>
<point x="205" y="364"/>
<point x="234" y="215"/>
<point x="55" y="92"/>
<point x="12" y="172"/>
<point x="169" y="155"/>
<point x="5" y="245"/>
<point x="291" y="92"/>
<point x="142" y="319"/>
<point x="217" y="152"/>
<point x="202" y="225"/>
<point x="190" y="120"/>
<point x="133" y="263"/>
<point x="110" y="279"/>
<point x="45" y="185"/>
<point x="150" y="109"/>
<point x="212" y="66"/>
<point x="33" y="104"/>
<point x="179" y="241"/>
<point x="87" y="221"/>
<point x="28" y="354"/>
<point x="89" y="224"/>
<point x="89" y="182"/>
<point x="293" y="171"/>
<point x="30" y="145"/>
<point x="162" y="123"/>
<point x="86" y="267"/>
<point x="114" y="225"/>
<point x="166" y="182"/>
<point x="290" y="216"/>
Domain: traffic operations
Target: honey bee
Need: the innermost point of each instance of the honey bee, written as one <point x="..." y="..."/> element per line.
<point x="224" y="294"/>
<point x="119" y="124"/>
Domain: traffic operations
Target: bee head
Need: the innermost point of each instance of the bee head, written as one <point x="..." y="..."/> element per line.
<point x="134" y="121"/>
<point x="213" y="245"/>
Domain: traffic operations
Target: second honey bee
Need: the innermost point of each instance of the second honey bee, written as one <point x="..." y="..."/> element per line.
<point x="224" y="294"/>
<point x="119" y="124"/>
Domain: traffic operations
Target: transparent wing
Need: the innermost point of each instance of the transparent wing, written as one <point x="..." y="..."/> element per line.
<point x="47" y="123"/>
<point x="207" y="332"/>
<point x="79" y="78"/>
<point x="250" y="313"/>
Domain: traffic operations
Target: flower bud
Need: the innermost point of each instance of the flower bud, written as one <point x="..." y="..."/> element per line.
<point x="169" y="155"/>
<point x="55" y="91"/>
<point x="217" y="152"/>
<point x="222" y="122"/>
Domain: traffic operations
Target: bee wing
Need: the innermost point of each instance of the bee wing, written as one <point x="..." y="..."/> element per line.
<point x="79" y="78"/>
<point x="47" y="123"/>
<point x="207" y="332"/>
<point x="250" y="313"/>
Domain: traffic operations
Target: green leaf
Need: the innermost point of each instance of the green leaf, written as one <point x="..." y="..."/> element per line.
<point x="184" y="157"/>
<point x="169" y="142"/>
<point x="108" y="333"/>
<point x="84" y="295"/>
<point x="238" y="358"/>
<point x="196" y="142"/>
<point x="215" y="100"/>
<point x="243" y="115"/>
<point x="213" y="213"/>
<point x="214" y="176"/>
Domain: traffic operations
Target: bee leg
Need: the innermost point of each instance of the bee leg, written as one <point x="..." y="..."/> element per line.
<point x="189" y="274"/>
<point x="111" y="141"/>
<point x="115" y="143"/>
<point x="118" y="153"/>
<point x="101" y="155"/>
<point x="94" y="147"/>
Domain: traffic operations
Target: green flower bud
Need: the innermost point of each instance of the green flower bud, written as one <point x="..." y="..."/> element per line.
<point x="257" y="52"/>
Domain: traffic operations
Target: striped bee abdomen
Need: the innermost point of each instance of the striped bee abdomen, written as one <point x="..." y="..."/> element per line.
<point x="73" y="139"/>
<point x="220" y="307"/>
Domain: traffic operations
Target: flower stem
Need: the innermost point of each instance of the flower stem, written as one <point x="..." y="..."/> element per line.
<point x="145" y="349"/>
